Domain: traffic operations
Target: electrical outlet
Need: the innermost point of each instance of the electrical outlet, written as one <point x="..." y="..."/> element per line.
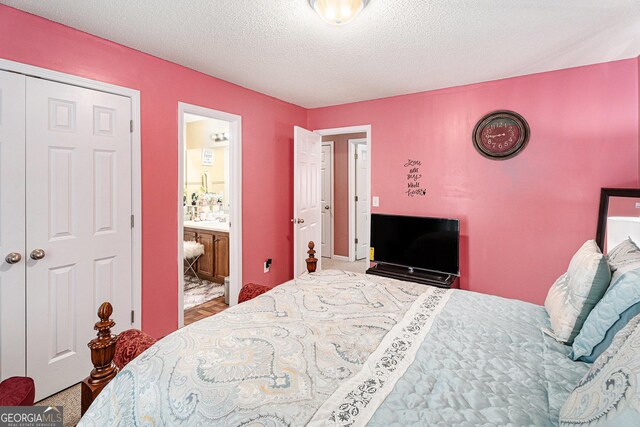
<point x="376" y="201"/>
<point x="637" y="205"/>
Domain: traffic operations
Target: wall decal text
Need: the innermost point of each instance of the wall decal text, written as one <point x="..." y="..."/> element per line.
<point x="414" y="176"/>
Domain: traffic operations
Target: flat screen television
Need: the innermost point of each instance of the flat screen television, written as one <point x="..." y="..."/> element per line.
<point x="418" y="242"/>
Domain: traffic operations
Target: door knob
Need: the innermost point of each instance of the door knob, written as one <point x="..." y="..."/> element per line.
<point x="13" y="258"/>
<point x="37" y="254"/>
<point x="326" y="206"/>
<point x="301" y="221"/>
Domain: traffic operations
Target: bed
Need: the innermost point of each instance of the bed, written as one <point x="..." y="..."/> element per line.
<point x="340" y="348"/>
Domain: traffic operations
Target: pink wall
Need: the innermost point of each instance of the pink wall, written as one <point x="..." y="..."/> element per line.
<point x="267" y="150"/>
<point x="341" y="190"/>
<point x="521" y="219"/>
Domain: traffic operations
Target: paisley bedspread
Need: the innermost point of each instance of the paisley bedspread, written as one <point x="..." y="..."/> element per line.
<point x="336" y="348"/>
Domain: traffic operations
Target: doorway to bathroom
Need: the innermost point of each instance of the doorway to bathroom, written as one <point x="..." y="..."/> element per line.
<point x="209" y="212"/>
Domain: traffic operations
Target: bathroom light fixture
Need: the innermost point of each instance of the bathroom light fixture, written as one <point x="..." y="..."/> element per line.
<point x="338" y="12"/>
<point x="219" y="137"/>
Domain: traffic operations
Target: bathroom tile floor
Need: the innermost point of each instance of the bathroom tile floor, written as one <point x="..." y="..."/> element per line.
<point x="207" y="309"/>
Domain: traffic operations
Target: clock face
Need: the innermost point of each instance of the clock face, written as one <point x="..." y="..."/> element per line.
<point x="501" y="135"/>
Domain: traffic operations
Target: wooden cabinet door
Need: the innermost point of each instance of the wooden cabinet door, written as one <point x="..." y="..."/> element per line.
<point x="189" y="235"/>
<point x="206" y="263"/>
<point x="222" y="256"/>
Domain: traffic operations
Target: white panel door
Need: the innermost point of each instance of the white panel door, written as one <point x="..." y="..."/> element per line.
<point x="307" y="196"/>
<point x="78" y="178"/>
<point x="327" y="202"/>
<point x="12" y="213"/>
<point x="362" y="205"/>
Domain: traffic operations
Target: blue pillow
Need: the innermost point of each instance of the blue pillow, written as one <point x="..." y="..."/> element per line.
<point x="625" y="317"/>
<point x="622" y="294"/>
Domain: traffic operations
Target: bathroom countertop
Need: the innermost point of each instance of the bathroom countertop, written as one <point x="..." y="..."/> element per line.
<point x="208" y="225"/>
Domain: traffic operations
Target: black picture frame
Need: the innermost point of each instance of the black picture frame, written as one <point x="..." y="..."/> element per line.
<point x="605" y="193"/>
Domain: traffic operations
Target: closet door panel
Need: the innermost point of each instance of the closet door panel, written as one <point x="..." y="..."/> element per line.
<point x="78" y="212"/>
<point x="12" y="224"/>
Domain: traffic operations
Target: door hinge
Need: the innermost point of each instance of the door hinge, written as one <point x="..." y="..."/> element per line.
<point x="132" y="221"/>
<point x="356" y="155"/>
<point x="131" y="126"/>
<point x="356" y="198"/>
<point x="133" y="316"/>
<point x="356" y="240"/>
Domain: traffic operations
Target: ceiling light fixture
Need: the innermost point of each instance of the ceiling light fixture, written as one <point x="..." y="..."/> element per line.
<point x="338" y="12"/>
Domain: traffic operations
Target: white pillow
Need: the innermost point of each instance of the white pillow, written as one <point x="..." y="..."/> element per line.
<point x="577" y="291"/>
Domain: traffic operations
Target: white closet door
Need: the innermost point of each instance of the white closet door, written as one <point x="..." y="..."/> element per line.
<point x="12" y="214"/>
<point x="78" y="178"/>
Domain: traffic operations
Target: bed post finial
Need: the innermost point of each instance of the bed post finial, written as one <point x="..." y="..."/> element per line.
<point x="312" y="261"/>
<point x="103" y="348"/>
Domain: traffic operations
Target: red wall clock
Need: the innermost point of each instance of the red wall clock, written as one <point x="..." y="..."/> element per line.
<point x="501" y="135"/>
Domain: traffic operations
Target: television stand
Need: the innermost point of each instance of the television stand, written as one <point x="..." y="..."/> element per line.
<point x="410" y="274"/>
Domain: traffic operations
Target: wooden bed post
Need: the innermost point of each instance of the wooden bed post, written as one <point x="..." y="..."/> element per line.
<point x="312" y="261"/>
<point x="103" y="349"/>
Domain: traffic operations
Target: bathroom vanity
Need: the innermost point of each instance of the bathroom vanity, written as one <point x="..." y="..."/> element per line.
<point x="214" y="235"/>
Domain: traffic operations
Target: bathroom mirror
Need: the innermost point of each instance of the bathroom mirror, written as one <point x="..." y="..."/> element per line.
<point x="619" y="217"/>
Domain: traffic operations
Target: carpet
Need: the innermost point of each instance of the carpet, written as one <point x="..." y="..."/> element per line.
<point x="69" y="399"/>
<point x="196" y="293"/>
<point x="337" y="264"/>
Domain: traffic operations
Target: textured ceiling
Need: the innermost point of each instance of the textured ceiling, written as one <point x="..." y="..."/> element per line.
<point x="283" y="49"/>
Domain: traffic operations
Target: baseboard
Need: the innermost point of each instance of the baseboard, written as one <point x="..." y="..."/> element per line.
<point x="341" y="258"/>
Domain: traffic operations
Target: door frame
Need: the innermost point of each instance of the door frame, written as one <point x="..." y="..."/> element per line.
<point x="333" y="196"/>
<point x="354" y="129"/>
<point x="235" y="199"/>
<point x="353" y="143"/>
<point x="136" y="163"/>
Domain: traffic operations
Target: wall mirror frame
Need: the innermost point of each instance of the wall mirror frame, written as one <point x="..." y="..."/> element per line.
<point x="606" y="194"/>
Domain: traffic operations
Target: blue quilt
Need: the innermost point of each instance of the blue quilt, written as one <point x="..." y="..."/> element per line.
<point x="337" y="348"/>
<point x="485" y="362"/>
